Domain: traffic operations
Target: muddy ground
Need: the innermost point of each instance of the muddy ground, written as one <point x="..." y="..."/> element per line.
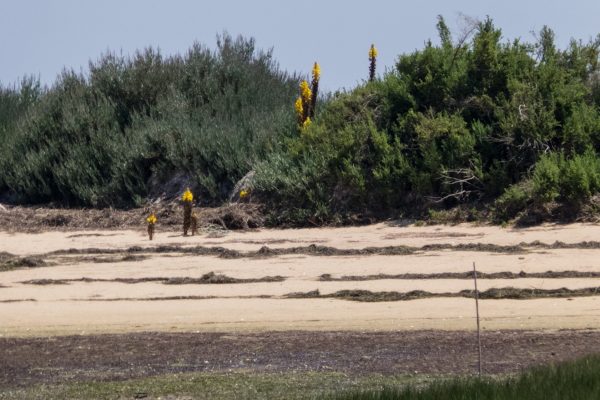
<point x="29" y="361"/>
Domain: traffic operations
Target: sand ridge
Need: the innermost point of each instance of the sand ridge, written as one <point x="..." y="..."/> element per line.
<point x="104" y="307"/>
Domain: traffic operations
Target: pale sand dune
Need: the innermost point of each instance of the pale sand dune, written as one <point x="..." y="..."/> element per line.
<point x="62" y="309"/>
<point x="48" y="318"/>
<point x="350" y="237"/>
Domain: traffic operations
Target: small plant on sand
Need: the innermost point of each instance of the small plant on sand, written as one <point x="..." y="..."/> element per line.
<point x="151" y="220"/>
<point x="372" y="62"/>
<point x="187" y="199"/>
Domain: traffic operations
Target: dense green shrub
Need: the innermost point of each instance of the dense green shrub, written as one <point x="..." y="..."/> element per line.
<point x="100" y="140"/>
<point x="455" y="123"/>
<point x="472" y="121"/>
<point x="346" y="161"/>
<point x="580" y="179"/>
<point x="14" y="103"/>
<point x="515" y="199"/>
<point x="571" y="181"/>
<point x="546" y="178"/>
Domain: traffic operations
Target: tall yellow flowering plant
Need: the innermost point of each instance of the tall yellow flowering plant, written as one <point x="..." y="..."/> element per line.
<point x="306" y="103"/>
<point x="372" y="62"/>
<point x="299" y="107"/>
<point x="187" y="199"/>
<point x="151" y="220"/>
<point x="306" y="123"/>
<point x="316" y="75"/>
<point x="306" y="96"/>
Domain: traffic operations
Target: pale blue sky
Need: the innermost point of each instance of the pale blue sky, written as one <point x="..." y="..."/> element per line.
<point x="41" y="36"/>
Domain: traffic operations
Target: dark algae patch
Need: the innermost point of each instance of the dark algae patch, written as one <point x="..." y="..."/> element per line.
<point x="464" y="275"/>
<point x="319" y="250"/>
<point x="9" y="262"/>
<point x="209" y="278"/>
<point x="494" y="293"/>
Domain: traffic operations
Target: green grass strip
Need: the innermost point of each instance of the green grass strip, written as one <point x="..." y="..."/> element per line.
<point x="577" y="380"/>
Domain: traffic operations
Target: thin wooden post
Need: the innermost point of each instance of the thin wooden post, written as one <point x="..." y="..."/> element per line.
<point x="477" y="310"/>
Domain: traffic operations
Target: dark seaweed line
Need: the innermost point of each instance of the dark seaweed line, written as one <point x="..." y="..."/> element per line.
<point x="223" y="252"/>
<point x="16" y="300"/>
<point x="166" y="298"/>
<point x="464" y="275"/>
<point x="507" y="293"/>
<point x="206" y="279"/>
<point x="171" y="298"/>
<point x="490" y="294"/>
<point x="319" y="250"/>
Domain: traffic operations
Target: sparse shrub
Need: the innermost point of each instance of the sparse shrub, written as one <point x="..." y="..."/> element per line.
<point x="514" y="200"/>
<point x="546" y="178"/>
<point x="580" y="179"/>
<point x="575" y="182"/>
<point x="570" y="180"/>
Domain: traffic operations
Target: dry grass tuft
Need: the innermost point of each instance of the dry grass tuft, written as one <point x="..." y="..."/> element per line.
<point x="234" y="216"/>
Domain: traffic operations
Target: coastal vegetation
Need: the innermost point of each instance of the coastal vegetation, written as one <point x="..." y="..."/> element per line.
<point x="495" y="128"/>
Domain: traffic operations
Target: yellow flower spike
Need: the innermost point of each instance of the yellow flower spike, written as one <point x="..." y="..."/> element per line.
<point x="244" y="193"/>
<point x="299" y="107"/>
<point x="305" y="91"/>
<point x="316" y="72"/>
<point x="306" y="123"/>
<point x="187" y="195"/>
<point x="373" y="52"/>
<point x="372" y="62"/>
<point x="151" y="219"/>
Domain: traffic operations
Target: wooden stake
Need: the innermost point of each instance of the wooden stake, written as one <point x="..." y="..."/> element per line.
<point x="477" y="310"/>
